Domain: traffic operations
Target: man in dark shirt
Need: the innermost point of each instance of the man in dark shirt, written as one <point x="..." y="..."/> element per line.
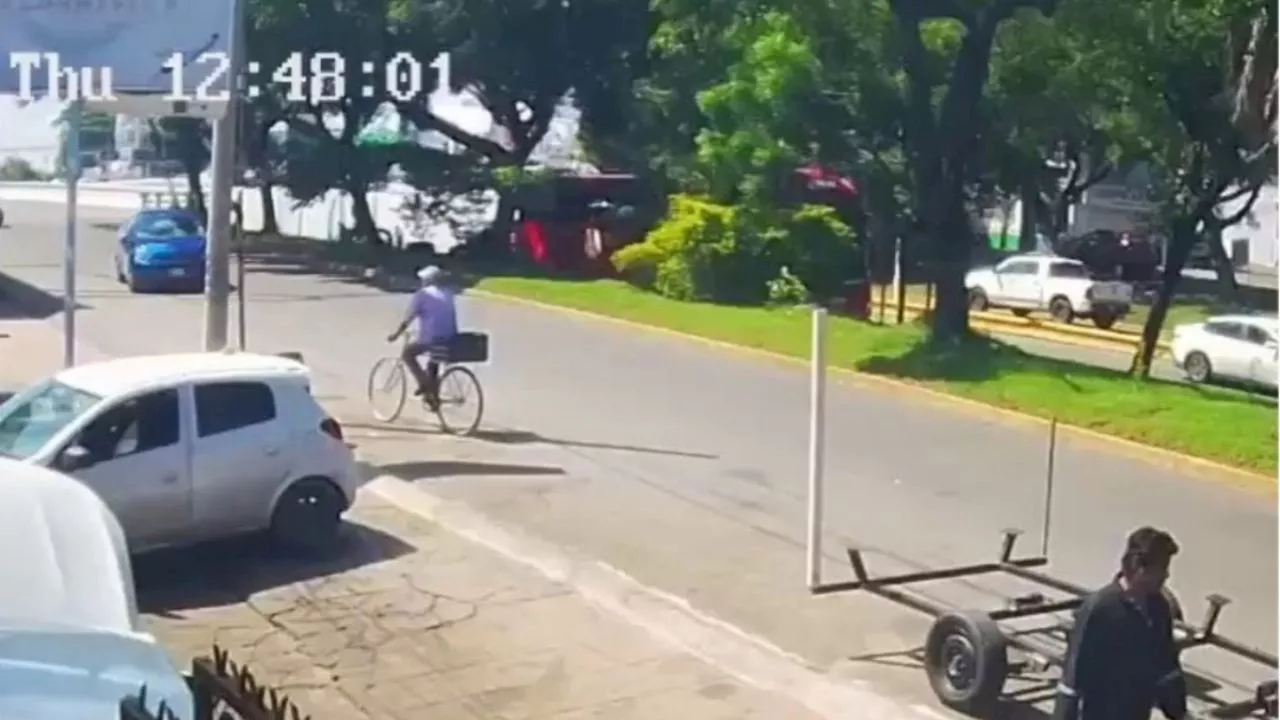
<point x="1122" y="661"/>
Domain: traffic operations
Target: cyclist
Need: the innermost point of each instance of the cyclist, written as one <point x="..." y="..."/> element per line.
<point x="435" y="311"/>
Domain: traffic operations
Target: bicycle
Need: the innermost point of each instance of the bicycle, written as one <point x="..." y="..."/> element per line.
<point x="389" y="379"/>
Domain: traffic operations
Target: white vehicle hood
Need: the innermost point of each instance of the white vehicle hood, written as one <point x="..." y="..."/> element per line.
<point x="64" y="559"/>
<point x="69" y="641"/>
<point x="49" y="673"/>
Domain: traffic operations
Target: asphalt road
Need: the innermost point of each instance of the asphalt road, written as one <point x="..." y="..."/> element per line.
<point x="1110" y="359"/>
<point x="687" y="464"/>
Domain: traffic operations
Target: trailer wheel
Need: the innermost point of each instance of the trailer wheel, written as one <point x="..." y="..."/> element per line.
<point x="966" y="659"/>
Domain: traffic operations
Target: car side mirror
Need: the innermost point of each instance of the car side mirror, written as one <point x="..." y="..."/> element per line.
<point x="74" y="458"/>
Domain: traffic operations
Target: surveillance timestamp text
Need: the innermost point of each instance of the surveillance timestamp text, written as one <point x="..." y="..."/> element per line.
<point x="313" y="78"/>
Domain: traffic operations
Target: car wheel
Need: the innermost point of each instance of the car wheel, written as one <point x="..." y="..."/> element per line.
<point x="978" y="300"/>
<point x="308" y="517"/>
<point x="1198" y="367"/>
<point x="1060" y="309"/>
<point x="1104" y="320"/>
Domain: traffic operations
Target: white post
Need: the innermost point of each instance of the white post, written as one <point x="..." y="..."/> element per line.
<point x="817" y="442"/>
<point x="217" y="290"/>
<point x="75" y="116"/>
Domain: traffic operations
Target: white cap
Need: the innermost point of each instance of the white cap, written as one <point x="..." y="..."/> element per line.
<point x="430" y="274"/>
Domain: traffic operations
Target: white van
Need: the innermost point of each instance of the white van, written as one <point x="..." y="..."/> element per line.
<point x="71" y="643"/>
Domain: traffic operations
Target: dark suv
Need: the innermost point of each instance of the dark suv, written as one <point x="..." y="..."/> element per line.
<point x="1110" y="254"/>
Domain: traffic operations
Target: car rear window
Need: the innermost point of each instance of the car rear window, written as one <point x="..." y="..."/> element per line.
<point x="162" y="226"/>
<point x="1068" y="270"/>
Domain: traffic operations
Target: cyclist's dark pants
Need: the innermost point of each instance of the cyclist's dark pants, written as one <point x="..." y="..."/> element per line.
<point x="427" y="378"/>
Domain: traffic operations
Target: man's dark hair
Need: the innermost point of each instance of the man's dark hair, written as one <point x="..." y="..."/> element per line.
<point x="1148" y="547"/>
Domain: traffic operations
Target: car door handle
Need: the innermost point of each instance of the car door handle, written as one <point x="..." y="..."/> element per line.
<point x="169" y="479"/>
<point x="271" y="451"/>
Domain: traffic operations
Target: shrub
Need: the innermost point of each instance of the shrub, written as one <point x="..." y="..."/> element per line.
<point x="638" y="263"/>
<point x="16" y="169"/>
<point x="787" y="289"/>
<point x="699" y="251"/>
<point x="820" y="248"/>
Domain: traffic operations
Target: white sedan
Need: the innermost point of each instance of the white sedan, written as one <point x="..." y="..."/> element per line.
<point x="1232" y="348"/>
<point x="189" y="447"/>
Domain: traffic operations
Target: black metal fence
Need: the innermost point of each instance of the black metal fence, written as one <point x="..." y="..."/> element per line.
<point x="222" y="690"/>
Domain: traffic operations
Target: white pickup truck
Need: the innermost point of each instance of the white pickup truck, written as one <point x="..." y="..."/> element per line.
<point x="1060" y="286"/>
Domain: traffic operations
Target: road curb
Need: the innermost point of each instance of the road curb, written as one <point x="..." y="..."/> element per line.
<point x="1207" y="469"/>
<point x="748" y="658"/>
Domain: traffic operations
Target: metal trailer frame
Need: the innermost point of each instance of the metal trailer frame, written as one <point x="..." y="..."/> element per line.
<point x="965" y="653"/>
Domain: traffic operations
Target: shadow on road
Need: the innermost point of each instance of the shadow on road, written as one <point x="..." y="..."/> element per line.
<point x="523" y="437"/>
<point x="230" y="571"/>
<point x="25" y="300"/>
<point x="426" y="469"/>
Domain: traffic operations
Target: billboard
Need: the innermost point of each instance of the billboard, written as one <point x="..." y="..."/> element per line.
<point x="95" y="48"/>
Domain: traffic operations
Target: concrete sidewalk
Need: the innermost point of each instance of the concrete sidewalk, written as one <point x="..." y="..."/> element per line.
<point x="429" y="625"/>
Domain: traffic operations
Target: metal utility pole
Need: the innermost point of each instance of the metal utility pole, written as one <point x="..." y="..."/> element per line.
<point x="71" y="163"/>
<point x="218" y="265"/>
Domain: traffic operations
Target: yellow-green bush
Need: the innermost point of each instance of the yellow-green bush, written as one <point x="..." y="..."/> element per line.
<point x="704" y="250"/>
<point x="697" y="252"/>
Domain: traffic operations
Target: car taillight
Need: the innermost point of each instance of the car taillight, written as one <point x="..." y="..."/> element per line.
<point x="330" y="427"/>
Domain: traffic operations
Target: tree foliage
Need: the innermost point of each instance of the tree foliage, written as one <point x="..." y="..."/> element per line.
<point x="938" y="110"/>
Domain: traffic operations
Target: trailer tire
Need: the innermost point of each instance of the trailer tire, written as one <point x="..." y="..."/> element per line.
<point x="967" y="661"/>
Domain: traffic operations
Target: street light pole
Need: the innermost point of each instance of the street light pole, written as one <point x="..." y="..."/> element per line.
<point x="218" y="270"/>
<point x="71" y="163"/>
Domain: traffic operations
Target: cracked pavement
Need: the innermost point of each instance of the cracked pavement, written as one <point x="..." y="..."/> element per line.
<point x="424" y="624"/>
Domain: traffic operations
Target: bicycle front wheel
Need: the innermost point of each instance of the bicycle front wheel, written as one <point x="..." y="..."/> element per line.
<point x="388" y="388"/>
<point x="461" y="401"/>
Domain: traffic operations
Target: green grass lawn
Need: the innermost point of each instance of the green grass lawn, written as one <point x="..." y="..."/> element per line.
<point x="1222" y="425"/>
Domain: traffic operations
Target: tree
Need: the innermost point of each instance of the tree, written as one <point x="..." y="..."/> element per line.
<point x="97" y="134"/>
<point x="520" y="59"/>
<point x="191" y="139"/>
<point x="1198" y="87"/>
<point x="942" y="137"/>
<point x="1059" y="118"/>
<point x="314" y="50"/>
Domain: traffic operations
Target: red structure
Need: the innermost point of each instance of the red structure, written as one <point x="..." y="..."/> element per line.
<point x="566" y="225"/>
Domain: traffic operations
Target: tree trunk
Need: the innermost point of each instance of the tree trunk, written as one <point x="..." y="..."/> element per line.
<point x="1184" y="238"/>
<point x="494" y="244"/>
<point x="365" y="227"/>
<point x="270" y="224"/>
<point x="195" y="192"/>
<point x="952" y="238"/>
<point x="1028" y="219"/>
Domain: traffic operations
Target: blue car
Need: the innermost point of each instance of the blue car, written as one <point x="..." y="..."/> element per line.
<point x="161" y="250"/>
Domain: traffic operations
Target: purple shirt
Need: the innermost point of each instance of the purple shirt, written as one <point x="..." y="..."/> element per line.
<point x="435" y="314"/>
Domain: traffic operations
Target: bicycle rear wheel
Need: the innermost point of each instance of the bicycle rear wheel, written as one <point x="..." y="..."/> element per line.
<point x="461" y="401"/>
<point x="388" y="388"/>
